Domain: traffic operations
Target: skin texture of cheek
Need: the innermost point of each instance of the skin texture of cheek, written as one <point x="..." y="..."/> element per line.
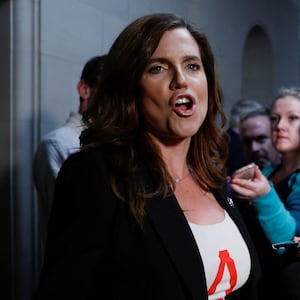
<point x="163" y="121"/>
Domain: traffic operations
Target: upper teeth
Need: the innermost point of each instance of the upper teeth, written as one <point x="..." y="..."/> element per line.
<point x="182" y="100"/>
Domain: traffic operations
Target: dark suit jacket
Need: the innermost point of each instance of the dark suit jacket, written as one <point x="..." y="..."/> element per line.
<point x="236" y="157"/>
<point x="95" y="249"/>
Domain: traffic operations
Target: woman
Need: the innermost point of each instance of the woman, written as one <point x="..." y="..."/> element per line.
<point x="139" y="212"/>
<point x="276" y="192"/>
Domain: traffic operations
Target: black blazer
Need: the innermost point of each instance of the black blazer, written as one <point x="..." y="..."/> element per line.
<point x="95" y="249"/>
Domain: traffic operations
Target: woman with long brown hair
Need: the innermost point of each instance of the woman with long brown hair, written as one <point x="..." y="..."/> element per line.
<point x="139" y="212"/>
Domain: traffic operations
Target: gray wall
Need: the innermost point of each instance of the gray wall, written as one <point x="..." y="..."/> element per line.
<point x="43" y="46"/>
<point x="73" y="33"/>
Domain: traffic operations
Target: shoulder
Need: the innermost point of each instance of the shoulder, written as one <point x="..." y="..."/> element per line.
<point x="60" y="134"/>
<point x="268" y="170"/>
<point x="83" y="174"/>
<point x="84" y="165"/>
<point x="73" y="125"/>
<point x="57" y="144"/>
<point x="86" y="158"/>
<point x="294" y="180"/>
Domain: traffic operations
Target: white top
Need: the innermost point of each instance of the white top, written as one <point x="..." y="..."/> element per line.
<point x="50" y="154"/>
<point x="225" y="256"/>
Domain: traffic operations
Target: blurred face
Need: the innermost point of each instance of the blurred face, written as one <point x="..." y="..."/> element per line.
<point x="285" y="120"/>
<point x="255" y="134"/>
<point x="174" y="86"/>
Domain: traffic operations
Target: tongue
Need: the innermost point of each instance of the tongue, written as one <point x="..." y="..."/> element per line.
<point x="182" y="110"/>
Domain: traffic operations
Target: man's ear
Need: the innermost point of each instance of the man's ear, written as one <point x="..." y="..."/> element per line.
<point x="83" y="89"/>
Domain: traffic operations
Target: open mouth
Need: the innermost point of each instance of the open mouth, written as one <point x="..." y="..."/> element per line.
<point x="184" y="106"/>
<point x="185" y="102"/>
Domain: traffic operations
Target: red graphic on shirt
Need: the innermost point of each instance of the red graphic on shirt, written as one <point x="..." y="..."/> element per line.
<point x="225" y="259"/>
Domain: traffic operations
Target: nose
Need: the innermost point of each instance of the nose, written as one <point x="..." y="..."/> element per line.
<point x="279" y="124"/>
<point x="179" y="80"/>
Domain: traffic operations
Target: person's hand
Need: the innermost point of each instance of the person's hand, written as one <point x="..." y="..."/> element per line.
<point x="251" y="189"/>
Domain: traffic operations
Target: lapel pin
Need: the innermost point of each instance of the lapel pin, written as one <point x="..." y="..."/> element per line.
<point x="230" y="201"/>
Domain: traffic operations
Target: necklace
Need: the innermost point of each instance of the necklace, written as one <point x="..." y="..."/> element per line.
<point x="177" y="180"/>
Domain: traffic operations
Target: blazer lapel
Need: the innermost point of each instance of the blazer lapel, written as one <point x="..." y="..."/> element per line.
<point x="170" y="223"/>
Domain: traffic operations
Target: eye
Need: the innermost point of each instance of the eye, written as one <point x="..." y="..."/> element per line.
<point x="274" y="119"/>
<point x="155" y="69"/>
<point x="194" y="67"/>
<point x="261" y="140"/>
<point x="293" y="118"/>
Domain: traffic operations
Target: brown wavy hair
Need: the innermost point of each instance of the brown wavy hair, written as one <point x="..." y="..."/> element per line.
<point x="115" y="120"/>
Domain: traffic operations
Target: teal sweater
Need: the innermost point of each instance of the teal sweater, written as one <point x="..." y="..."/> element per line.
<point x="280" y="222"/>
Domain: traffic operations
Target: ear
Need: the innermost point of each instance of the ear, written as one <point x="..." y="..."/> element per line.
<point x="83" y="89"/>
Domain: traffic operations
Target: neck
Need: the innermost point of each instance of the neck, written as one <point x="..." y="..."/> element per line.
<point x="174" y="156"/>
<point x="188" y="172"/>
<point x="290" y="162"/>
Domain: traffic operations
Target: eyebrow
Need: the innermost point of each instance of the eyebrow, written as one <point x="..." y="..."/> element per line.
<point x="287" y="112"/>
<point x="166" y="60"/>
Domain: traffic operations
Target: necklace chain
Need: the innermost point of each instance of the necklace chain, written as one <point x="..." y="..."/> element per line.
<point x="177" y="180"/>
